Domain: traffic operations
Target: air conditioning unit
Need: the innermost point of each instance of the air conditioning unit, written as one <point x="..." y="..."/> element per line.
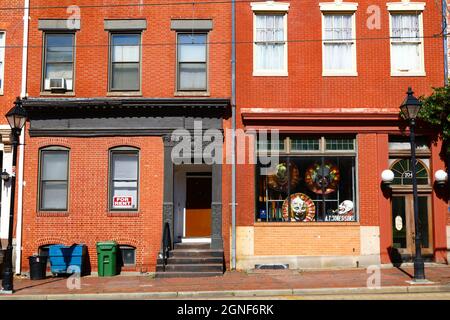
<point x="55" y="84"/>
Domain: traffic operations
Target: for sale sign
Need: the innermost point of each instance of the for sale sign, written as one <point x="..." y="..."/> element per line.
<point x="123" y="201"/>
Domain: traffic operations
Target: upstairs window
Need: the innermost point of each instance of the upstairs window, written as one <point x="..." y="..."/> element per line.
<point x="339" y="47"/>
<point x="270" y="44"/>
<point x="192" y="62"/>
<point x="2" y="60"/>
<point x="407" y="55"/>
<point x="270" y="38"/>
<point x="59" y="61"/>
<point x="125" y="57"/>
<point x="53" y="179"/>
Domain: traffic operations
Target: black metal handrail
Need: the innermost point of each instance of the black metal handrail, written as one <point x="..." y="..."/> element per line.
<point x="167" y="245"/>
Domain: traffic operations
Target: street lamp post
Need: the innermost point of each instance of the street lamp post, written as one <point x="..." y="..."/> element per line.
<point x="16" y="118"/>
<point x="410" y="108"/>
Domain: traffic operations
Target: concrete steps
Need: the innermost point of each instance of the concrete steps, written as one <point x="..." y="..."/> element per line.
<point x="191" y="260"/>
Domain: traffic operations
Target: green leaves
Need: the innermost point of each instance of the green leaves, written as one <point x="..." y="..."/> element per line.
<point x="436" y="111"/>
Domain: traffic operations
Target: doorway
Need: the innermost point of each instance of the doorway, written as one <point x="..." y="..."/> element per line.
<point x="198" y="205"/>
<point x="192" y="203"/>
<point x="403" y="227"/>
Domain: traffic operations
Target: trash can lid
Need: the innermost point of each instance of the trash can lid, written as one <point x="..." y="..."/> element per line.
<point x="106" y="244"/>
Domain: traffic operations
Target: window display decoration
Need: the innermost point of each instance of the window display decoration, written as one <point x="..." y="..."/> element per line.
<point x="302" y="208"/>
<point x="279" y="180"/>
<point x="343" y="213"/>
<point x="322" y="179"/>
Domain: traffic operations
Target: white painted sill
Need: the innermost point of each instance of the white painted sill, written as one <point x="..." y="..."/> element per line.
<point x="339" y="74"/>
<point x="408" y="74"/>
<point x="270" y="73"/>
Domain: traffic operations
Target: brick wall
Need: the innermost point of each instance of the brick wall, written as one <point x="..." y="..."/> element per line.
<point x="307" y="239"/>
<point x="88" y="219"/>
<point x="306" y="88"/>
<point x="12" y="23"/>
<point x="158" y="46"/>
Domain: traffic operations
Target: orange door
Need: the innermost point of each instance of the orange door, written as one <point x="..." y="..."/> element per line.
<point x="198" y="206"/>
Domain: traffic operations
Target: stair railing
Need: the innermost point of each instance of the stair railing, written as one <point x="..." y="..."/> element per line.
<point x="167" y="245"/>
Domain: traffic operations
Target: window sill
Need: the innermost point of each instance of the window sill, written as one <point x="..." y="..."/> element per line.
<point x="124" y="94"/>
<point x="53" y="213"/>
<point x="123" y="214"/>
<point x="339" y="74"/>
<point x="55" y="94"/>
<point x="305" y="224"/>
<point x="270" y="73"/>
<point x="192" y="94"/>
<point x="408" y="74"/>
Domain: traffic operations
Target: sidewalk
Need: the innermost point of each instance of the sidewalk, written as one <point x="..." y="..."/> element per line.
<point x="253" y="283"/>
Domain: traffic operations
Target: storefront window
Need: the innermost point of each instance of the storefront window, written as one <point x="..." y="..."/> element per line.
<point x="321" y="182"/>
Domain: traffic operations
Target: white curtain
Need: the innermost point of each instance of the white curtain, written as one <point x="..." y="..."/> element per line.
<point x="338" y="42"/>
<point x="405" y="42"/>
<point x="269" y="55"/>
<point x="2" y="57"/>
<point x="338" y="56"/>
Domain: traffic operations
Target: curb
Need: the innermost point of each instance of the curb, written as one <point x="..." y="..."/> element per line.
<point x="230" y="293"/>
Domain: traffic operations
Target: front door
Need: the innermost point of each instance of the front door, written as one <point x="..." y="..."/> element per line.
<point x="198" y="206"/>
<point x="403" y="227"/>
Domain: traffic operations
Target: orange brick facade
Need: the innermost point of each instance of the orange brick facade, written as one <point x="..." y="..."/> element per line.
<point x="88" y="219"/>
<point x="302" y="103"/>
<point x="305" y="103"/>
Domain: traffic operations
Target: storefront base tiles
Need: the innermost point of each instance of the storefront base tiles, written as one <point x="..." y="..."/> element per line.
<point x="307" y="246"/>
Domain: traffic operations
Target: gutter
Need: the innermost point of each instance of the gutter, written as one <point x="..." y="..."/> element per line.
<point x="23" y="94"/>
<point x="233" y="134"/>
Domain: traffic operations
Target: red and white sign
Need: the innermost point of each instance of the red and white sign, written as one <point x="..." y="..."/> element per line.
<point x="122" y="202"/>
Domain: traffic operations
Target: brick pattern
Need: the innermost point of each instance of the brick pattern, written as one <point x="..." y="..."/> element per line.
<point x="158" y="46"/>
<point x="12" y="23"/>
<point x="306" y="88"/>
<point x="87" y="220"/>
<point x="368" y="179"/>
<point x="307" y="239"/>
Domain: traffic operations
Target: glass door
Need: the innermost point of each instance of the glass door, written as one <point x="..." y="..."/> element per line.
<point x="403" y="227"/>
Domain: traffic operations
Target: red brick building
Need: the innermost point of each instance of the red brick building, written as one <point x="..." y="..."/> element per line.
<point x="107" y="86"/>
<point x="11" y="41"/>
<point x="114" y="92"/>
<point x="330" y="76"/>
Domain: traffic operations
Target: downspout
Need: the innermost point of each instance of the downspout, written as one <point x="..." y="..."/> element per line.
<point x="233" y="135"/>
<point x="23" y="94"/>
<point x="445" y="31"/>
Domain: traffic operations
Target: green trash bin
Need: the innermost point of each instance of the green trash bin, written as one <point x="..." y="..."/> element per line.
<point x="107" y="258"/>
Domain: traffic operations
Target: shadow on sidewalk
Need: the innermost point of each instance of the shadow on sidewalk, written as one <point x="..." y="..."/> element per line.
<point x="40" y="284"/>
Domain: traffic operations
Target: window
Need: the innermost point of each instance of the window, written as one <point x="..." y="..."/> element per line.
<point x="53" y="186"/>
<point x="124" y="173"/>
<point x="270" y="49"/>
<point x="192" y="62"/>
<point x="127" y="255"/>
<point x="315" y="180"/>
<point x="406" y="44"/>
<point x="59" y="61"/>
<point x="339" y="48"/>
<point x="125" y="59"/>
<point x="2" y="60"/>
<point x="270" y="38"/>
<point x="403" y="173"/>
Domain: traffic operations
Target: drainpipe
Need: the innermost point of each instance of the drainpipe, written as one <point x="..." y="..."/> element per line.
<point x="233" y="135"/>
<point x="23" y="94"/>
<point x="445" y="30"/>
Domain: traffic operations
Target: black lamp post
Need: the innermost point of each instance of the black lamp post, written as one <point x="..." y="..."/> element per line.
<point x="16" y="117"/>
<point x="410" y="108"/>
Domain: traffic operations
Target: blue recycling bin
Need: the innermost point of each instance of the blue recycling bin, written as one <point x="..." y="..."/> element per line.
<point x="67" y="259"/>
